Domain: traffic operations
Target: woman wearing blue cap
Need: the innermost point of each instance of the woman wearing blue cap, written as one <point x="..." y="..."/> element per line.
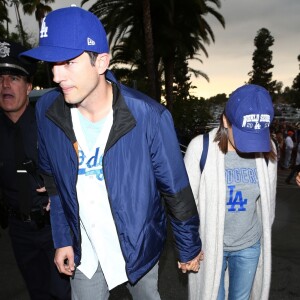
<point x="235" y="196"/>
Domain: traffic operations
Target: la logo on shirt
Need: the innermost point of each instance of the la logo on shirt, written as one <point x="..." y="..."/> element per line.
<point x="236" y="178"/>
<point x="91" y="166"/>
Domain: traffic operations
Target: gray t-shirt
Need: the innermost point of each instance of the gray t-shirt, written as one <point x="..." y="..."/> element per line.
<point x="242" y="227"/>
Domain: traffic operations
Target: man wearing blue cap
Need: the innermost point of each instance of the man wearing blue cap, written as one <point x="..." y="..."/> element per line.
<point x="108" y="155"/>
<point x="23" y="190"/>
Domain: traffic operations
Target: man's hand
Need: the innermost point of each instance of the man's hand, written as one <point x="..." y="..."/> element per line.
<point x="192" y="265"/>
<point x="298" y="179"/>
<point x="64" y="260"/>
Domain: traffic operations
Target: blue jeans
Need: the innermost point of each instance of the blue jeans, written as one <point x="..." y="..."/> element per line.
<point x="287" y="157"/>
<point x="242" y="266"/>
<point x="96" y="288"/>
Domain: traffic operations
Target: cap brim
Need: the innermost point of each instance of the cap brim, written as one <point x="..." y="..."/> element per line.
<point x="13" y="71"/>
<point x="251" y="141"/>
<point x="52" y="54"/>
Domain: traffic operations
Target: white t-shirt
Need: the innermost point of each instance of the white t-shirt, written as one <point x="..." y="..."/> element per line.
<point x="100" y="242"/>
<point x="289" y="144"/>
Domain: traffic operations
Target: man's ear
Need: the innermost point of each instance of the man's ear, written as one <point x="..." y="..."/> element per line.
<point x="29" y="88"/>
<point x="103" y="60"/>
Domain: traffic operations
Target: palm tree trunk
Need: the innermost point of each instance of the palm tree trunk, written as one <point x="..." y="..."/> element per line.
<point x="169" y="79"/>
<point x="19" y="21"/>
<point x="149" y="48"/>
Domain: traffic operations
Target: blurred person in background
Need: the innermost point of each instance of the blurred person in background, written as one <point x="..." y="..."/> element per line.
<point x="289" y="146"/>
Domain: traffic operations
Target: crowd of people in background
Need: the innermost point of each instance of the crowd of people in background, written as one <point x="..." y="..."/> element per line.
<point x="286" y="136"/>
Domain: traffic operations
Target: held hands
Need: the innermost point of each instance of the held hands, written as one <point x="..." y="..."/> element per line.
<point x="64" y="260"/>
<point x="192" y="265"/>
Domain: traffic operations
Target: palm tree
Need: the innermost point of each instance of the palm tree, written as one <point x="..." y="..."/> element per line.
<point x="128" y="41"/>
<point x="22" y="34"/>
<point x="4" y="19"/>
<point x="39" y="8"/>
<point x="179" y="31"/>
<point x="149" y="48"/>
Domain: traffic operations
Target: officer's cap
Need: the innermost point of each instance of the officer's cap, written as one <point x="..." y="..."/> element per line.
<point x="10" y="63"/>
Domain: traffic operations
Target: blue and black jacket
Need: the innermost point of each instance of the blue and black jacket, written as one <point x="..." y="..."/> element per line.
<point x="142" y="164"/>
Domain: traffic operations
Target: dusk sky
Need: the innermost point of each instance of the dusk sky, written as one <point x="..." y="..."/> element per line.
<point x="230" y="57"/>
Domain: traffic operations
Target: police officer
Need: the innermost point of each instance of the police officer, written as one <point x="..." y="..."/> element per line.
<point x="22" y="188"/>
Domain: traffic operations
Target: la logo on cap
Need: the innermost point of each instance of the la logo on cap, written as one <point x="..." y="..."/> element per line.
<point x="44" y="29"/>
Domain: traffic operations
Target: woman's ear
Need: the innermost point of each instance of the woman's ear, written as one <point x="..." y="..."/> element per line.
<point x="103" y="60"/>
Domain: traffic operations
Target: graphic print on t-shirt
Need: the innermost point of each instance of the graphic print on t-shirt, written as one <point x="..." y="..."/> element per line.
<point x="242" y="228"/>
<point x="91" y="166"/>
<point x="239" y="184"/>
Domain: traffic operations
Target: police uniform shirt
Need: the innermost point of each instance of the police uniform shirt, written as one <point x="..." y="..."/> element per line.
<point x="8" y="175"/>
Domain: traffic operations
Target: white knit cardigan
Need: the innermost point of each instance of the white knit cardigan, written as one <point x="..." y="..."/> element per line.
<point x="209" y="190"/>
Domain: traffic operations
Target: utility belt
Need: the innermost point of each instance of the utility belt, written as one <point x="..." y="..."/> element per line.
<point x="40" y="216"/>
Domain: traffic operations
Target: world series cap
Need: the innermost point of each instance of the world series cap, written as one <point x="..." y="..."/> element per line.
<point x="68" y="32"/>
<point x="250" y="112"/>
<point x="10" y="63"/>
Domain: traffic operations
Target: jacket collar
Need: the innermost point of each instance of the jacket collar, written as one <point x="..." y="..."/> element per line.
<point x="59" y="112"/>
<point x="123" y="118"/>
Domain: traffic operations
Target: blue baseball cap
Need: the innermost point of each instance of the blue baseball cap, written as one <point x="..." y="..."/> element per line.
<point x="250" y="112"/>
<point x="67" y="33"/>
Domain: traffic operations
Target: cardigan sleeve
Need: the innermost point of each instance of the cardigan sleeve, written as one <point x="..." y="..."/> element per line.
<point x="272" y="170"/>
<point x="192" y="160"/>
